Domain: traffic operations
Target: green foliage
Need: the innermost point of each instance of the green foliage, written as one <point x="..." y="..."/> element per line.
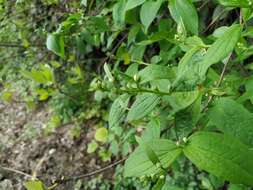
<point x="232" y="118"/>
<point x="101" y="134"/>
<point x="178" y="74"/>
<point x="222" y="156"/>
<point x="185" y="14"/>
<point x="151" y="157"/>
<point x="142" y="106"/>
<point x="35" y="185"/>
<point x="55" y="43"/>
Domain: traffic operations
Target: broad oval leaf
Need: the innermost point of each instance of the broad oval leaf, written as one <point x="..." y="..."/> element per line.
<point x="236" y="3"/>
<point x="232" y="118"/>
<point x="142" y="106"/>
<point x="221" y="48"/>
<point x="222" y="156"/>
<point x="149" y="11"/>
<point x="152" y="131"/>
<point x="117" y="110"/>
<point x="139" y="164"/>
<point x="188" y="68"/>
<point x="133" y="3"/>
<point x="184" y="10"/>
<point x="181" y="100"/>
<point x="55" y="43"/>
<point x="154" y="72"/>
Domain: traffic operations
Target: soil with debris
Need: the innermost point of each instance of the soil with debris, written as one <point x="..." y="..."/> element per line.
<point x="24" y="148"/>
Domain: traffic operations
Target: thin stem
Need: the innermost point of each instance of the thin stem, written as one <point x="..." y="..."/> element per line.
<point x="222" y="75"/>
<point x="140" y="90"/>
<point x="91" y="173"/>
<point x="214" y="21"/>
<point x="17" y="172"/>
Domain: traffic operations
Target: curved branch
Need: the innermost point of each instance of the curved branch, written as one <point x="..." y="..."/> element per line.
<point x="59" y="181"/>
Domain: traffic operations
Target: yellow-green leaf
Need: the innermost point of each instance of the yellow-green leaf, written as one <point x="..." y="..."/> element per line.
<point x="34" y="185"/>
<point x="101" y="134"/>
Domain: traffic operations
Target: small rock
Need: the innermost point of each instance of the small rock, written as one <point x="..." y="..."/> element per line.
<point x="6" y="184"/>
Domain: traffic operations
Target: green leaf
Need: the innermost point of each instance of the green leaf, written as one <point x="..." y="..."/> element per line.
<point x="92" y="147"/>
<point x="154" y="72"/>
<point x="139" y="164"/>
<point x="159" y="184"/>
<point x="181" y="100"/>
<point x="108" y="73"/>
<point x="237" y="187"/>
<point x="133" y="3"/>
<point x="232" y="118"/>
<point x="118" y="13"/>
<point x="34" y="185"/>
<point x="148" y="12"/>
<point x="222" y="156"/>
<point x="55" y="43"/>
<point x="101" y="134"/>
<point x="151" y="154"/>
<point x="117" y="110"/>
<point x="236" y="3"/>
<point x="221" y="48"/>
<point x="168" y="186"/>
<point x="142" y="106"/>
<point x="152" y="131"/>
<point x="188" y="68"/>
<point x="184" y="11"/>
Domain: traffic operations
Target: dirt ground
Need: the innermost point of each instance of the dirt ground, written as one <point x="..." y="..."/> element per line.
<point x="24" y="148"/>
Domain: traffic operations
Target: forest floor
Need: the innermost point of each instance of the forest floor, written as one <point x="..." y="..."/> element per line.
<point x="23" y="147"/>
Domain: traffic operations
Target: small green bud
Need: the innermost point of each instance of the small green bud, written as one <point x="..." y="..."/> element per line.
<point x="136" y="78"/>
<point x="129" y="85"/>
<point x="162" y="177"/>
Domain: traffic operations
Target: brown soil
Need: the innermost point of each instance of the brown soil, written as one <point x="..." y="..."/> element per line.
<point x="24" y="148"/>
